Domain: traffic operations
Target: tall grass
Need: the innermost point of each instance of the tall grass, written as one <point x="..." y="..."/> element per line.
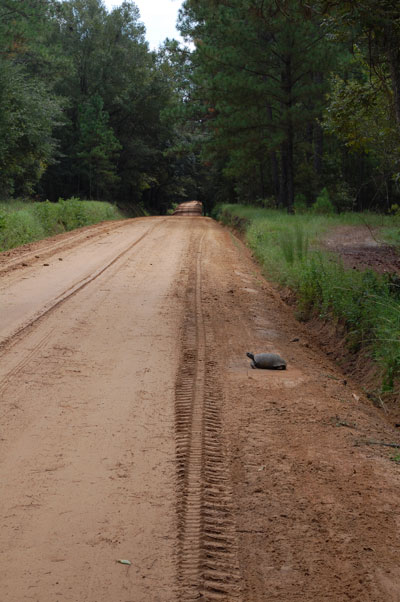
<point x="24" y="222"/>
<point x="366" y="303"/>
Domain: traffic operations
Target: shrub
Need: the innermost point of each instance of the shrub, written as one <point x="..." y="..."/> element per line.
<point x="343" y="198"/>
<point x="3" y="220"/>
<point x="269" y="203"/>
<point x="171" y="210"/>
<point x="20" y="228"/>
<point x="323" y="204"/>
<point x="48" y="214"/>
<point x="300" y="204"/>
<point x="21" y="223"/>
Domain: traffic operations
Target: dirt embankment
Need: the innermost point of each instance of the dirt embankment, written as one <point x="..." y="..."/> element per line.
<point x="133" y="428"/>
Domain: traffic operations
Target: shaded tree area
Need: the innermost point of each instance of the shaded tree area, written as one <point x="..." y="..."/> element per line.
<point x="85" y="105"/>
<point x="277" y="100"/>
<point x="296" y="96"/>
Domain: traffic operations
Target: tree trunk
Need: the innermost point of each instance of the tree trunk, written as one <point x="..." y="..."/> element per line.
<point x="290" y="168"/>
<point x="287" y="195"/>
<point x="275" y="174"/>
<point x="274" y="162"/>
<point x="318" y="148"/>
<point x="310" y="140"/>
<point x="286" y="189"/>
<point x="318" y="134"/>
<point x="262" y="187"/>
<point x="393" y="55"/>
<point x="394" y="58"/>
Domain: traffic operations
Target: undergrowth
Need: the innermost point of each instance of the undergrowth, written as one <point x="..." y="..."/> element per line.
<point x="23" y="222"/>
<point x="368" y="304"/>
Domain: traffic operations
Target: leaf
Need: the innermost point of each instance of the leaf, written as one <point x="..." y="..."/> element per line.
<point x="127" y="562"/>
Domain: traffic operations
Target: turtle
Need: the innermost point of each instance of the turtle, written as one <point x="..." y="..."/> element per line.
<point x="267" y="361"/>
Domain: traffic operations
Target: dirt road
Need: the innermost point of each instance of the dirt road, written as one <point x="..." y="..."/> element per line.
<point x="132" y="428"/>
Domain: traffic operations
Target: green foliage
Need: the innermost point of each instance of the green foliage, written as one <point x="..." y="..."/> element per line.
<point x="276" y="98"/>
<point x="256" y="100"/>
<point x="48" y="215"/>
<point x="359" y="114"/>
<point x="20" y="228"/>
<point x="300" y="204"/>
<point x="3" y="220"/>
<point x="365" y="302"/>
<point x="28" y="114"/>
<point x="97" y="148"/>
<point x="294" y="244"/>
<point x="323" y="204"/>
<point x="171" y="210"/>
<point x="21" y="223"/>
<point x="84" y="103"/>
<point x="388" y="333"/>
<point x="343" y="198"/>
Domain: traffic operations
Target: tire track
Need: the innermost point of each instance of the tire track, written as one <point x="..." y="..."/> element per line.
<point x="33" y="352"/>
<point x="78" y="286"/>
<point x="69" y="240"/>
<point x="208" y="566"/>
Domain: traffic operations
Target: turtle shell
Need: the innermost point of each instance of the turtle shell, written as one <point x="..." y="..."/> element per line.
<point x="269" y="361"/>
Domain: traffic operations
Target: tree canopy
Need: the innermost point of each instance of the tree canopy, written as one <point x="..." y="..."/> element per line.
<point x="273" y="100"/>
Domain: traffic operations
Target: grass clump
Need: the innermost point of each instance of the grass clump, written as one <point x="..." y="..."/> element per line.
<point x="366" y="303"/>
<point x="294" y="244"/>
<point x="24" y="222"/>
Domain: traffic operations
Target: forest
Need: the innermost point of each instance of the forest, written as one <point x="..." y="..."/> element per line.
<point x="280" y="103"/>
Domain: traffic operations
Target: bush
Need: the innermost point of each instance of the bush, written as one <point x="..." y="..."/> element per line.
<point x="343" y="197"/>
<point x="323" y="204"/>
<point x="300" y="204"/>
<point x="3" y="220"/>
<point x="48" y="214"/>
<point x="20" y="228"/>
<point x="171" y="209"/>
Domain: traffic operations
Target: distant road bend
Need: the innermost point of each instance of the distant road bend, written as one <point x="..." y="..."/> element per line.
<point x="194" y="208"/>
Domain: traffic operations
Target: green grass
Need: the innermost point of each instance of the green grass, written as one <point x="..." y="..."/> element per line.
<point x="366" y="303"/>
<point x="22" y="222"/>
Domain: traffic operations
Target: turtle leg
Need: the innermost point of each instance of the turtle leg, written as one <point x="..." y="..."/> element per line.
<point x="253" y="365"/>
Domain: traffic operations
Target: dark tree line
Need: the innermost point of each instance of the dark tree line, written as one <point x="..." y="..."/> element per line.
<point x="278" y="100"/>
<point x="295" y="96"/>
<point x="85" y="105"/>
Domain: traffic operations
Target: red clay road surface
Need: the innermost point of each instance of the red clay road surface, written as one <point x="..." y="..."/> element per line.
<point x="132" y="428"/>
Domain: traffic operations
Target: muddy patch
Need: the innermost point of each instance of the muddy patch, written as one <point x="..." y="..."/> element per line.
<point x="361" y="247"/>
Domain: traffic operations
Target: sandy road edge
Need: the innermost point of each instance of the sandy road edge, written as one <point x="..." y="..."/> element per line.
<point x="28" y="254"/>
<point x="72" y="290"/>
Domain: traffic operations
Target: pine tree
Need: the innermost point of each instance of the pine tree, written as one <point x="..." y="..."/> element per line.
<point x="97" y="148"/>
<point x="256" y="69"/>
